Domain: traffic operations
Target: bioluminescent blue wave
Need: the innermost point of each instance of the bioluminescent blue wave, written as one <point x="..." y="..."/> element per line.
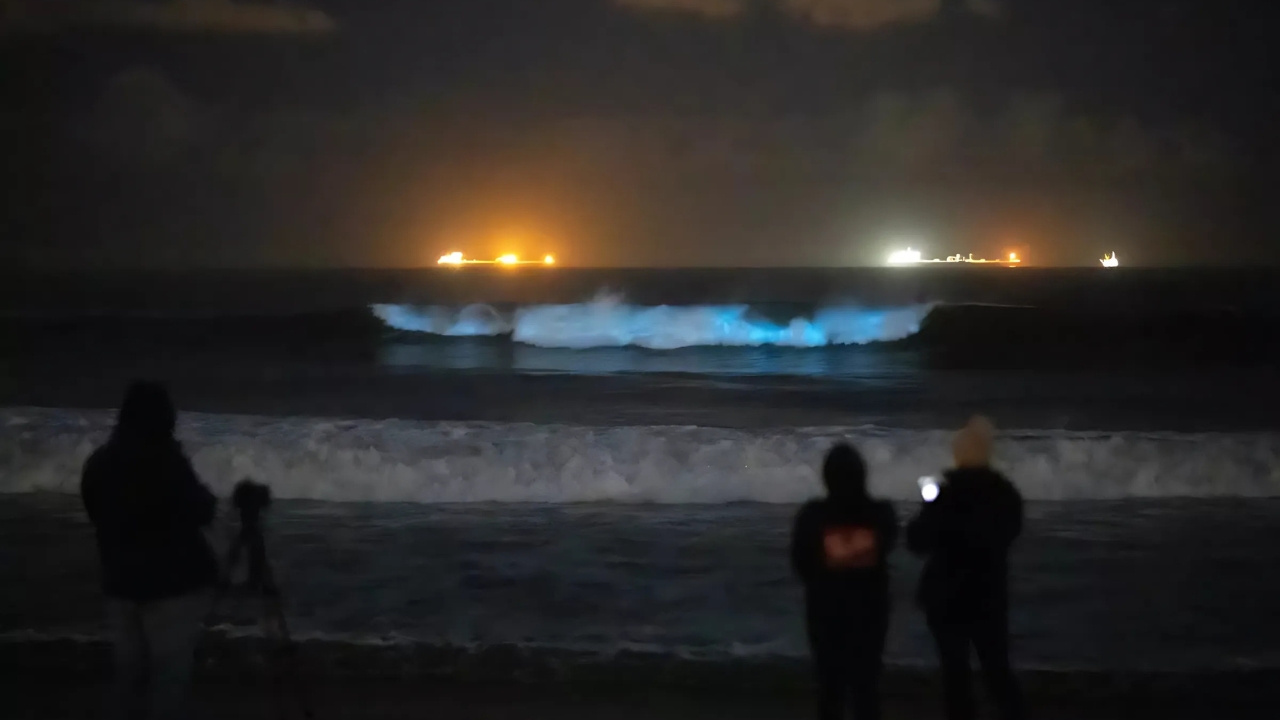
<point x="610" y="323"/>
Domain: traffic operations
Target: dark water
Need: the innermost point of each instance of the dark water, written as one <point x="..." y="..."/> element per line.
<point x="1114" y="586"/>
<point x="1145" y="396"/>
<point x="1086" y="348"/>
<point x="259" y="292"/>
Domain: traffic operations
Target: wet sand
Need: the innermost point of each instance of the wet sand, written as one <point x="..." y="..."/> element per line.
<point x="28" y="697"/>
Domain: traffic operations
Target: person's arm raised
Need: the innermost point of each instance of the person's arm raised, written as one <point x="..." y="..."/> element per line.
<point x="924" y="529"/>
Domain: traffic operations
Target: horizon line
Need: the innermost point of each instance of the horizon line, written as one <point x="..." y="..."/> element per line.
<point x="19" y="268"/>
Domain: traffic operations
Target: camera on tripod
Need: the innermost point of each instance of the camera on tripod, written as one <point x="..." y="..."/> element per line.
<point x="250" y="499"/>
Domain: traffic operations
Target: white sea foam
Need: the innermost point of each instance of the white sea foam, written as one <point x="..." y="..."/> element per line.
<point x="410" y="461"/>
<point x="609" y="322"/>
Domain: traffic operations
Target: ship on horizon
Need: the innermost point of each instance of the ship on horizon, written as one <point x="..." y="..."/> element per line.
<point x="1110" y="261"/>
<point x="913" y="257"/>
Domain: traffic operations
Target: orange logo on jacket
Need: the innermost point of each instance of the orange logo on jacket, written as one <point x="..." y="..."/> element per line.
<point x="850" y="547"/>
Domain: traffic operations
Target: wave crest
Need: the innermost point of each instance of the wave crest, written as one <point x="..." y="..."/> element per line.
<point x="410" y="461"/>
<point x="609" y="322"/>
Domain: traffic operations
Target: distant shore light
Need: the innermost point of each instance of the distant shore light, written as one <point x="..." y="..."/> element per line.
<point x="457" y="259"/>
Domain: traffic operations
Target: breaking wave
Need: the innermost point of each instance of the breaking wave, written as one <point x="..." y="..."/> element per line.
<point x="609" y="322"/>
<point x="411" y="461"/>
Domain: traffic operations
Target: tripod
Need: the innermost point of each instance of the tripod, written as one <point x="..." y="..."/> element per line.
<point x="250" y="499"/>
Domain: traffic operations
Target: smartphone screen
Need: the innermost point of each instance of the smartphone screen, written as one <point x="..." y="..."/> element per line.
<point x="928" y="488"/>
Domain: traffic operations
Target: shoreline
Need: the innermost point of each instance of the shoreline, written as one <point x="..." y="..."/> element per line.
<point x="396" y="700"/>
<point x="244" y="662"/>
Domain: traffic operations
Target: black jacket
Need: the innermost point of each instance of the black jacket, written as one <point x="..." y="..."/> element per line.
<point x="840" y="546"/>
<point x="149" y="509"/>
<point x="966" y="534"/>
<point x="834" y="588"/>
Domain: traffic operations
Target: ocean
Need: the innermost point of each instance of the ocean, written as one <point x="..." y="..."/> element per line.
<point x="533" y="470"/>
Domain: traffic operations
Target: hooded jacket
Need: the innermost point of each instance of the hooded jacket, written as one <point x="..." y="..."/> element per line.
<point x="966" y="533"/>
<point x="840" y="543"/>
<point x="147" y="505"/>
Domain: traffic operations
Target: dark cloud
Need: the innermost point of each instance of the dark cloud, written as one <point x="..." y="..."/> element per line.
<point x="631" y="141"/>
<point x="845" y="14"/>
<point x="904" y="136"/>
<point x="862" y="14"/>
<point x="705" y="8"/>
<point x="196" y="182"/>
<point x="169" y="16"/>
<point x="142" y="119"/>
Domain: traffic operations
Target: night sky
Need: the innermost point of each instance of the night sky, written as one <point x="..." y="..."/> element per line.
<point x="648" y="132"/>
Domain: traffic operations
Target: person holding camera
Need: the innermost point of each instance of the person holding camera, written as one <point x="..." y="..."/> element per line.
<point x="149" y="511"/>
<point x="839" y="549"/>
<point x="965" y="530"/>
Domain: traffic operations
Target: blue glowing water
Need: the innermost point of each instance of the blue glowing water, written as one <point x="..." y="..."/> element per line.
<point x="610" y="322"/>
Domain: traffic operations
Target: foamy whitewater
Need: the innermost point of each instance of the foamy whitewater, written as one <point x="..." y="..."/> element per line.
<point x="610" y="322"/>
<point x="410" y="461"/>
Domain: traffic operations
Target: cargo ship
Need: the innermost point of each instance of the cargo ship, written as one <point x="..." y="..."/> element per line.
<point x="912" y="257"/>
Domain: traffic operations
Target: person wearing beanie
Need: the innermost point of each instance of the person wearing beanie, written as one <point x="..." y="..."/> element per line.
<point x="965" y="534"/>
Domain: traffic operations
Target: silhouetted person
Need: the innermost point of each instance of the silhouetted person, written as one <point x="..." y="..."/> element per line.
<point x="149" y="510"/>
<point x="966" y="533"/>
<point x="839" y="548"/>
